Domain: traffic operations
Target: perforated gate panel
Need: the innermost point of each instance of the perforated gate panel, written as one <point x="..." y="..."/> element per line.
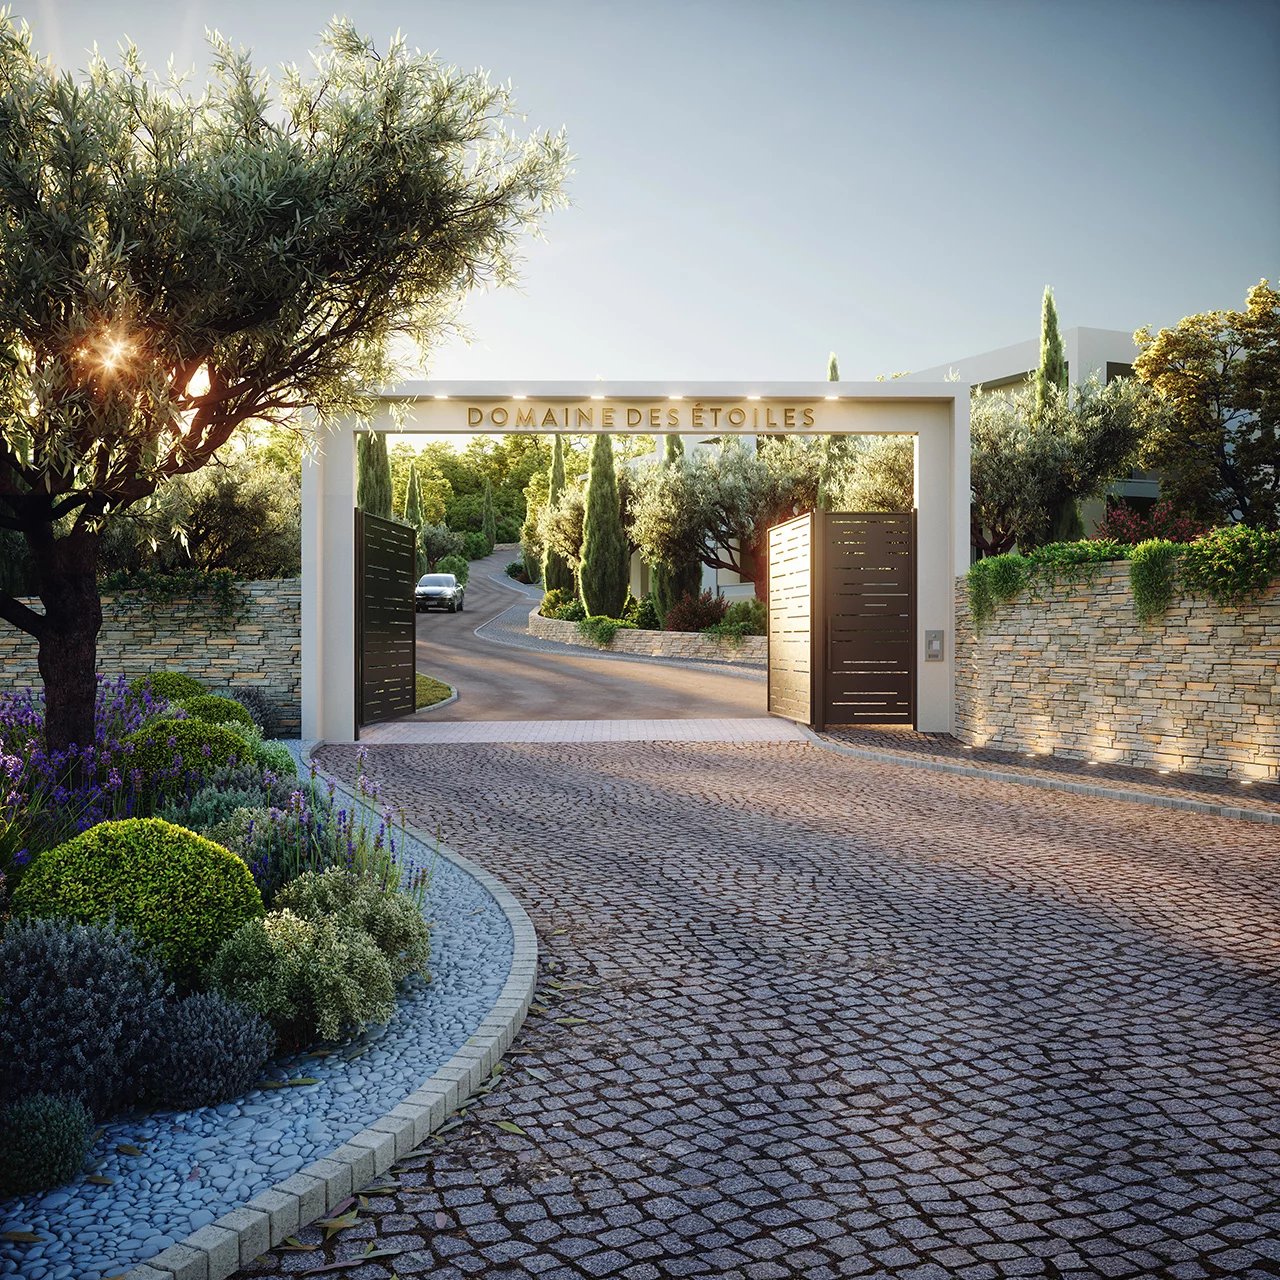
<point x="870" y="616"/>
<point x="385" y="620"/>
<point x="791" y="619"/>
<point x="842" y="618"/>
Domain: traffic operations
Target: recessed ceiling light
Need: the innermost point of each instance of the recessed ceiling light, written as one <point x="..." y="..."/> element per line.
<point x="597" y="397"/>
<point x="517" y="397"/>
<point x="753" y="397"/>
<point x="440" y="397"/>
<point x="833" y="397"/>
<point x="675" y="397"/>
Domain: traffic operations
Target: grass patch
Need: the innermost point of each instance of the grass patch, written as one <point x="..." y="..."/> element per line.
<point x="428" y="692"/>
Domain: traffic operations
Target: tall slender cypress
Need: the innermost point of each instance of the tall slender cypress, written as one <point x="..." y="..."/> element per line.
<point x="488" y="516"/>
<point x="373" y="474"/>
<point x="557" y="574"/>
<point x="413" y="498"/>
<point x="606" y="558"/>
<point x="672" y="582"/>
<point x="832" y="449"/>
<point x="1052" y="370"/>
<point x="1051" y="376"/>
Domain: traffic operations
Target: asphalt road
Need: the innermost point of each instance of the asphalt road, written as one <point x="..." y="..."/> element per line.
<point x="497" y="682"/>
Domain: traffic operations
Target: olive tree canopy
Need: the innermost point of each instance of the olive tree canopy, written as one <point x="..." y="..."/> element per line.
<point x="176" y="264"/>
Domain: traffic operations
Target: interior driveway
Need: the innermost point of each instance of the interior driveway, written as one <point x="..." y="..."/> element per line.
<point x="806" y="1016"/>
<point x="499" y="682"/>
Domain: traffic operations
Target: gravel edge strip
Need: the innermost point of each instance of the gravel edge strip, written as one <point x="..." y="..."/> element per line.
<point x="237" y="1238"/>
<point x="1047" y="783"/>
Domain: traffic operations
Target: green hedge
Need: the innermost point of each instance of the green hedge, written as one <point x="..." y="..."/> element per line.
<point x="214" y="709"/>
<point x="1228" y="566"/>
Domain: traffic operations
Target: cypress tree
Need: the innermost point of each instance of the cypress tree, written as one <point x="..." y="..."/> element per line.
<point x="1051" y="375"/>
<point x="1052" y="370"/>
<point x="832" y="448"/>
<point x="413" y="498"/>
<point x="557" y="575"/>
<point x="373" y="474"/>
<point x="606" y="558"/>
<point x="488" y="517"/>
<point x="671" y="582"/>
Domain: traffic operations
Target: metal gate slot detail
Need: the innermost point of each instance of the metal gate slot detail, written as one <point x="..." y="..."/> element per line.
<point x="385" y="621"/>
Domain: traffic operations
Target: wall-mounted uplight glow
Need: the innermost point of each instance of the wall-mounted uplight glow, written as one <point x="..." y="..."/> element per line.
<point x="675" y="397"/>
<point x="832" y="397"/>
<point x="440" y="397"/>
<point x="597" y="397"/>
<point x="518" y="397"/>
<point x="753" y="397"/>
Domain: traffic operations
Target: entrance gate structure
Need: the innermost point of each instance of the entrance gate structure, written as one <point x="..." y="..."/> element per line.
<point x="842" y="618"/>
<point x="936" y="415"/>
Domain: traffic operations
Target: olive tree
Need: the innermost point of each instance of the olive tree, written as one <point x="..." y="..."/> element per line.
<point x="175" y="265"/>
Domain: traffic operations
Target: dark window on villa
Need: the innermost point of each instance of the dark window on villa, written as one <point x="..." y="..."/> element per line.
<point x="1117" y="370"/>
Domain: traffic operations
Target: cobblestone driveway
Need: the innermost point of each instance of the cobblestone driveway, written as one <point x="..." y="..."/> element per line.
<point x="812" y="1017"/>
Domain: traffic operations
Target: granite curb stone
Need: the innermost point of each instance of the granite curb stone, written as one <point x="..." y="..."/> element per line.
<point x="319" y="1187"/>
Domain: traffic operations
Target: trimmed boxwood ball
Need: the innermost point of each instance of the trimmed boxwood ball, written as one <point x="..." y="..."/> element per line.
<point x="171" y="685"/>
<point x="43" y="1142"/>
<point x="79" y="1009"/>
<point x="182" y="895"/>
<point x="158" y="746"/>
<point x="212" y="708"/>
<point x="209" y="1049"/>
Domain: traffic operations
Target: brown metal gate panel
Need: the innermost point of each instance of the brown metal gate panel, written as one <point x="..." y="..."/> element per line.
<point x="869" y="610"/>
<point x="385" y="619"/>
<point x="790" y="665"/>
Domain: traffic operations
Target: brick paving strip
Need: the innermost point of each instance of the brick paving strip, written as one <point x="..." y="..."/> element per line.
<point x="806" y="1016"/>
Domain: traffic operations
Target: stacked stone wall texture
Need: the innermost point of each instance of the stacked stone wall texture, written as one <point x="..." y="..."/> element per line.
<point x="261" y="649"/>
<point x="1069" y="669"/>
<point x="659" y="644"/>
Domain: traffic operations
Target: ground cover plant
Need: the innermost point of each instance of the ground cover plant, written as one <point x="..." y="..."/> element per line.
<point x="176" y="907"/>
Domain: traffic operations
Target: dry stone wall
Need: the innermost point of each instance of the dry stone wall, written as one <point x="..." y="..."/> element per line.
<point x="1075" y="673"/>
<point x="752" y="650"/>
<point x="261" y="649"/>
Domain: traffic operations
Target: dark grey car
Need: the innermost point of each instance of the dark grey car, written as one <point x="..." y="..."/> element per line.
<point x="438" y="591"/>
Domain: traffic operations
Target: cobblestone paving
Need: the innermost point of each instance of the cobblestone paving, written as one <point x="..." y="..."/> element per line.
<point x="806" y="1016"/>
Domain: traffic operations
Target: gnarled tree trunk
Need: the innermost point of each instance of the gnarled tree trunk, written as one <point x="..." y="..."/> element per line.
<point x="68" y="635"/>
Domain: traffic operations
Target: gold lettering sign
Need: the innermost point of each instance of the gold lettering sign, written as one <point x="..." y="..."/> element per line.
<point x="683" y="417"/>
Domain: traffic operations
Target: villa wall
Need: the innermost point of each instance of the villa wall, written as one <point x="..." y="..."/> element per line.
<point x="262" y="648"/>
<point x="752" y="650"/>
<point x="1197" y="690"/>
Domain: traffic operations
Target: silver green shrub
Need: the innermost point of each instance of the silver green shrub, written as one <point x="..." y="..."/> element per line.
<point x="80" y="1008"/>
<point x="393" y="920"/>
<point x="256" y="703"/>
<point x="308" y="979"/>
<point x="209" y="1049"/>
<point x="43" y="1142"/>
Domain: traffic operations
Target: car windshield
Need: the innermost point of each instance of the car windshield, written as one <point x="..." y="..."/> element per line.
<point x="437" y="580"/>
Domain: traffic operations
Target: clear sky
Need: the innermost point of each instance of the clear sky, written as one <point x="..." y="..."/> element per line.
<point x="761" y="181"/>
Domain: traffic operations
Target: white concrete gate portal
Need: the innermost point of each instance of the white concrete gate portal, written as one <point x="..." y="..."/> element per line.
<point x="936" y="415"/>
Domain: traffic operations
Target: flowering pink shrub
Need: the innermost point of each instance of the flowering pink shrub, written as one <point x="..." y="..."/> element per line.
<point x="1123" y="524"/>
